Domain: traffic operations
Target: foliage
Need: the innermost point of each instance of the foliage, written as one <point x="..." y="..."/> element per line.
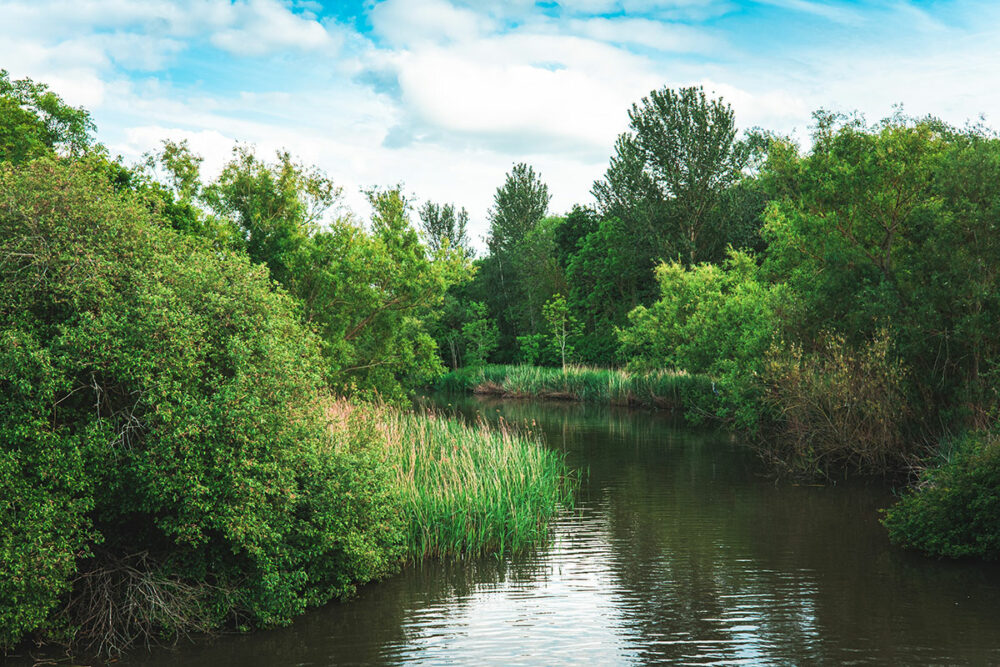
<point x="562" y="326"/>
<point x="529" y="347"/>
<point x="162" y="397"/>
<point x="689" y="149"/>
<point x="712" y="320"/>
<point x="34" y="122"/>
<point x="170" y="180"/>
<point x="514" y="277"/>
<point x="895" y="223"/>
<point x="480" y="333"/>
<point x="838" y="407"/>
<point x="607" y="278"/>
<point x="954" y="510"/>
<point x="443" y="226"/>
<point x="276" y="207"/>
<point x="518" y="205"/>
<point x="629" y="192"/>
<point x="370" y="295"/>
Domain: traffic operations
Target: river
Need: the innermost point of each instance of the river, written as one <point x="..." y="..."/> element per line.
<point x="680" y="550"/>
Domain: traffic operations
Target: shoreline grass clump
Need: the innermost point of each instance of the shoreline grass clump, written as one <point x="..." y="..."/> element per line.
<point x="665" y="389"/>
<point x="469" y="488"/>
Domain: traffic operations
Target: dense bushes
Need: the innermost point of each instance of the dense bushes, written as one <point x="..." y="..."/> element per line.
<point x="714" y="320"/>
<point x="837" y="407"/>
<point x="161" y="398"/>
<point x="954" y="510"/>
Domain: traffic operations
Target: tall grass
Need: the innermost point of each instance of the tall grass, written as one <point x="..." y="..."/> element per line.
<point x="662" y="389"/>
<point x="470" y="489"/>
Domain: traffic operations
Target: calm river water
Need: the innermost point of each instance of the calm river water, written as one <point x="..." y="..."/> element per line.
<point x="680" y="551"/>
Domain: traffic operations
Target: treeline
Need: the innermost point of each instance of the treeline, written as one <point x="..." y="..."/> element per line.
<point x="843" y="299"/>
<point x="176" y="451"/>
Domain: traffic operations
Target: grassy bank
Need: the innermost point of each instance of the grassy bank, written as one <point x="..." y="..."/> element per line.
<point x="468" y="488"/>
<point x="661" y="389"/>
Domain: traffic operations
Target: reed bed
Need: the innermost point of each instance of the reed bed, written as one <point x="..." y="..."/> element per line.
<point x="469" y="488"/>
<point x="660" y="389"/>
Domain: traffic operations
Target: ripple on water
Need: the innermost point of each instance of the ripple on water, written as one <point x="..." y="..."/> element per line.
<point x="678" y="553"/>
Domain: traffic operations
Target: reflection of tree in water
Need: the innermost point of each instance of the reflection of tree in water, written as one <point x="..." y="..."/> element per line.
<point x="730" y="565"/>
<point x="693" y="554"/>
<point x="725" y="565"/>
<point x="378" y="627"/>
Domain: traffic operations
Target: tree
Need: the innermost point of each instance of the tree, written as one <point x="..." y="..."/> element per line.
<point x="480" y="333"/>
<point x="670" y="172"/>
<point x="629" y="193"/>
<point x="181" y="168"/>
<point x="369" y="294"/>
<point x="276" y="206"/>
<point x="162" y="413"/>
<point x="713" y="319"/>
<point x="35" y="121"/>
<point x="689" y="146"/>
<point x="607" y="277"/>
<point x="372" y="296"/>
<point x="894" y="225"/>
<point x="443" y="224"/>
<point x="562" y="326"/>
<point x="518" y="205"/>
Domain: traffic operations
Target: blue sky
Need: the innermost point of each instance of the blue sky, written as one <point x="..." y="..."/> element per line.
<point x="445" y="95"/>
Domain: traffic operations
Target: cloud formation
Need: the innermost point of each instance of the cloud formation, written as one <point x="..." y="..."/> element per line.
<point x="445" y="95"/>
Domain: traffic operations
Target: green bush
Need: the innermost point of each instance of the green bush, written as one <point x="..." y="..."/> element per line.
<point x="711" y="320"/>
<point x="159" y="397"/>
<point x="839" y="406"/>
<point x="954" y="510"/>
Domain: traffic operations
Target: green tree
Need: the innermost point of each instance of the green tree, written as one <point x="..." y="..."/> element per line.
<point x="518" y="205"/>
<point x="161" y="397"/>
<point x="372" y="296"/>
<point x="34" y="121"/>
<point x="606" y="279"/>
<point x="444" y="224"/>
<point x="480" y="333"/>
<point x="629" y="193"/>
<point x="276" y="206"/>
<point x="181" y="168"/>
<point x="718" y="320"/>
<point x="689" y="148"/>
<point x="562" y="327"/>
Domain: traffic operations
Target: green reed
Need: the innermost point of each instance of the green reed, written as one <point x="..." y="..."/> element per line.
<point x="662" y="389"/>
<point x="473" y="488"/>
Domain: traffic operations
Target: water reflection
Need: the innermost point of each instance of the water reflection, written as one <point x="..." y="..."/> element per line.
<point x="680" y="551"/>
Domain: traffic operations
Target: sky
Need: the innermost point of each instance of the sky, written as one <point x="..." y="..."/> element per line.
<point x="444" y="96"/>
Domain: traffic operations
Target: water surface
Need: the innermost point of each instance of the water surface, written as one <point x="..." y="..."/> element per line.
<point x="680" y="551"/>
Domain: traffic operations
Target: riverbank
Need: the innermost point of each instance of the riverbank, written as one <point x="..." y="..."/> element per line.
<point x="671" y="390"/>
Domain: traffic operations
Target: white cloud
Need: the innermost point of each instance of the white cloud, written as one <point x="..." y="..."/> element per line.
<point x="409" y="22"/>
<point x="647" y="32"/>
<point x="259" y="27"/>
<point x="447" y="96"/>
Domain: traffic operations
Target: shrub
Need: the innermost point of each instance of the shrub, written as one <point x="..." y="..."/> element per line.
<point x="713" y="320"/>
<point x="161" y="398"/>
<point x="837" y="406"/>
<point x="954" y="510"/>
